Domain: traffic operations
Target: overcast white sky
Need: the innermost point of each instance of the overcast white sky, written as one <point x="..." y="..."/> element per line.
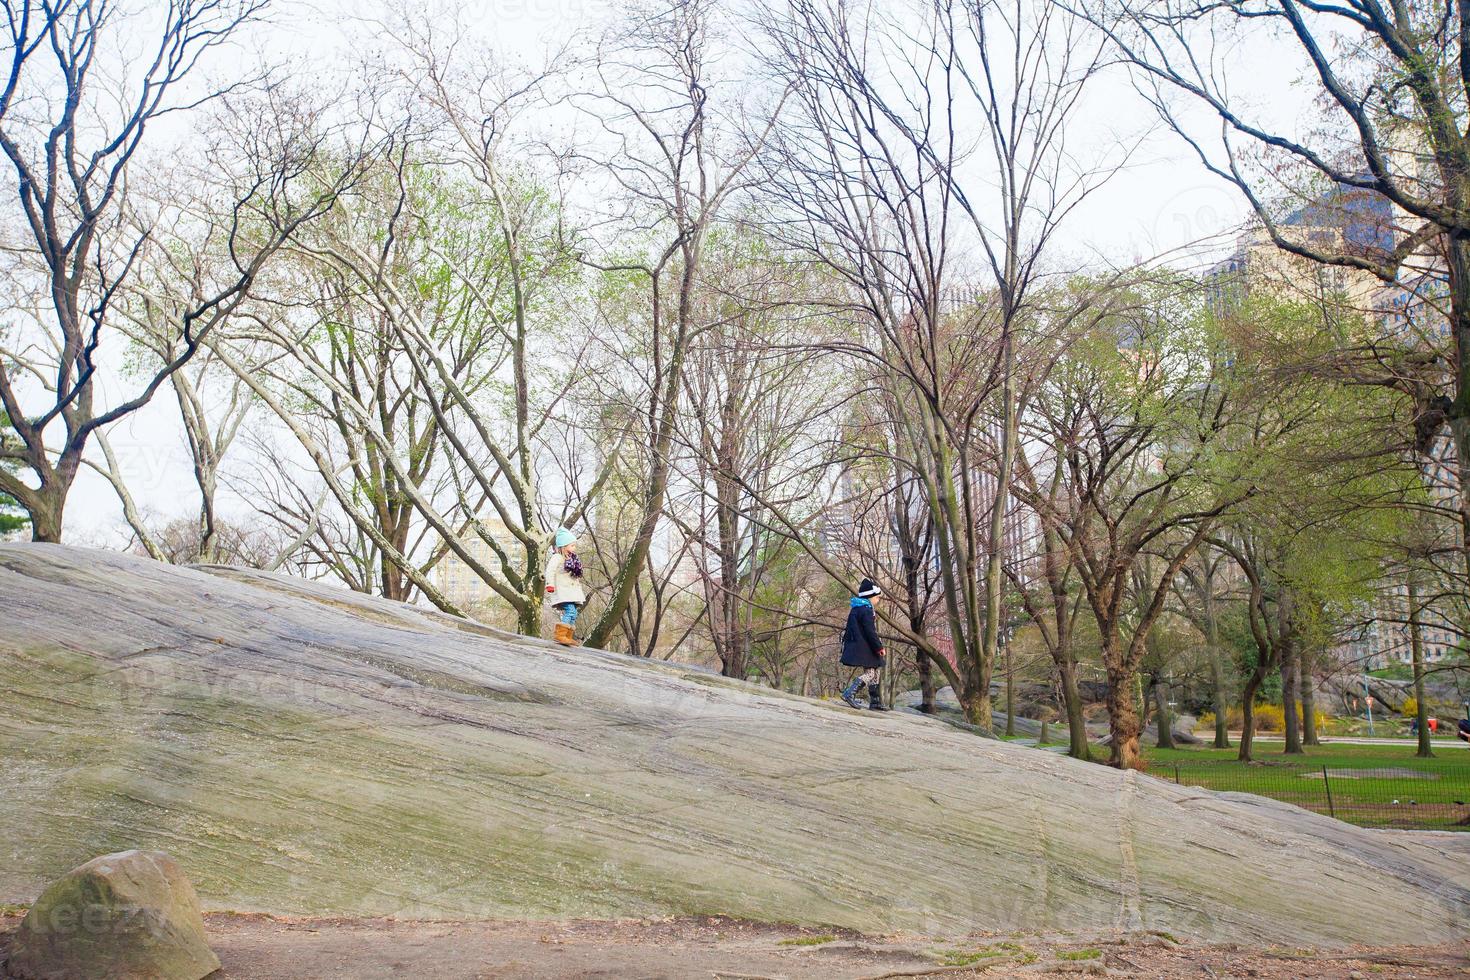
<point x="1162" y="201"/>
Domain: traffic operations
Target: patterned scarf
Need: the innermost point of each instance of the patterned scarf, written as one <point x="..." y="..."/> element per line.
<point x="573" y="566"/>
<point x="858" y="602"/>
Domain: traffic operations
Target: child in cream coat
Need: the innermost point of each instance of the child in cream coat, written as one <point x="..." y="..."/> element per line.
<point x="564" y="585"/>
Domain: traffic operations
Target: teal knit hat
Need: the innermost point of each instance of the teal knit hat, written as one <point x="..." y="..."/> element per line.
<point x="564" y="537"/>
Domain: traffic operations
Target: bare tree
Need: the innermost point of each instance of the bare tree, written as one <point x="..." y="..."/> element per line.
<point x="674" y="165"/>
<point x="213" y="403"/>
<point x="178" y="542"/>
<point x="71" y="140"/>
<point x="876" y="181"/>
<point x="478" y="112"/>
<point x="413" y="313"/>
<point x="318" y="540"/>
<point x="759" y="411"/>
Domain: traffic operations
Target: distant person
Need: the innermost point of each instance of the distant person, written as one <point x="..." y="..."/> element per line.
<point x="564" y="585"/>
<point x="1463" y="732"/>
<point x="862" y="648"/>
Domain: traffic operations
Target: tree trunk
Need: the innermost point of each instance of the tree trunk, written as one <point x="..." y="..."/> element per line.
<point x="1290" y="706"/>
<point x="1288" y="669"/>
<point x="995" y="539"/>
<point x="1457" y="255"/>
<point x="394" y="585"/>
<point x="1010" y="693"/>
<point x="663" y="417"/>
<point x="1164" y="719"/>
<point x="910" y="549"/>
<point x="956" y="568"/>
<point x="528" y="619"/>
<point x="977" y="710"/>
<point x="1308" y="687"/>
<point x="1217" y="669"/>
<point x="1222" y="706"/>
<point x="725" y="613"/>
<point x="1072" y="700"/>
<point x="738" y="666"/>
<point x="1140" y="698"/>
<point x="1460" y="433"/>
<point x="1416" y="644"/>
<point x="208" y="529"/>
<point x="1123" y="719"/>
<point x="926" y="683"/>
<point x="45" y="515"/>
<point x="1248" y="714"/>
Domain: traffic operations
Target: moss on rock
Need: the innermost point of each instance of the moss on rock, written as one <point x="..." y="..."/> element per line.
<point x="303" y="750"/>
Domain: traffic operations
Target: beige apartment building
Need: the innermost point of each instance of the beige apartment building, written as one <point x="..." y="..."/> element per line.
<point x="1384" y="640"/>
<point x="463" y="587"/>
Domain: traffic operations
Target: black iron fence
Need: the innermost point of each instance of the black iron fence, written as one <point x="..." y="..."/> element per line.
<point x="1434" y="796"/>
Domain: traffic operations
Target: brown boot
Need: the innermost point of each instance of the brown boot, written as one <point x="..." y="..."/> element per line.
<point x="564" y="635"/>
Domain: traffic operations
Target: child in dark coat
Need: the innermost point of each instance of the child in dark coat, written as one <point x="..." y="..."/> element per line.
<point x="862" y="648"/>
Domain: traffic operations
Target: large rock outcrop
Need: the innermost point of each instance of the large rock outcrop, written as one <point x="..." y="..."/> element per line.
<point x="306" y="750"/>
<point x="126" y="916"/>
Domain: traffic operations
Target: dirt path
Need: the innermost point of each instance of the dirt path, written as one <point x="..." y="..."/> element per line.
<point x="267" y="948"/>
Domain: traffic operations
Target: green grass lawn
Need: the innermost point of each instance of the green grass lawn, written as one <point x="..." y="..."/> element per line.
<point x="1423" y="793"/>
<point x="1447" y="758"/>
<point x="1394" y="672"/>
<point x="1385" y="726"/>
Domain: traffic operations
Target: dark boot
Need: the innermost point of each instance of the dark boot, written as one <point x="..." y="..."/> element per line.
<point x="851" y="693"/>
<point x="875" y="698"/>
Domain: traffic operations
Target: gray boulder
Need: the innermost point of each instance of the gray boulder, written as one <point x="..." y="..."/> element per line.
<point x="305" y="750"/>
<point x="118" y="917"/>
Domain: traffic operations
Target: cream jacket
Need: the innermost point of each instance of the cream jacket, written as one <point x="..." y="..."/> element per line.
<point x="560" y="586"/>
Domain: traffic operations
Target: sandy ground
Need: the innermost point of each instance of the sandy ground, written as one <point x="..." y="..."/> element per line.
<point x="265" y="947"/>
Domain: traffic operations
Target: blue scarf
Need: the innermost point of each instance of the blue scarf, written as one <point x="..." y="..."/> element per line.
<point x="573" y="566"/>
<point x="859" y="602"/>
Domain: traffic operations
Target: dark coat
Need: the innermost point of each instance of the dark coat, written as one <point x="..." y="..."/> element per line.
<point x="860" y="644"/>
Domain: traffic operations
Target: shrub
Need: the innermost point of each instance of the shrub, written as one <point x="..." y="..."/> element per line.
<point x="1233" y="719"/>
<point x="1410" y="708"/>
<point x="1268" y="718"/>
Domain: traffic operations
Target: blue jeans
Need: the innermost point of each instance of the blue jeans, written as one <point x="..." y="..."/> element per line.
<point x="569" y="613"/>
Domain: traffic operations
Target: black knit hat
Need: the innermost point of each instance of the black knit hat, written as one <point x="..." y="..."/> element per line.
<point x="867" y="588"/>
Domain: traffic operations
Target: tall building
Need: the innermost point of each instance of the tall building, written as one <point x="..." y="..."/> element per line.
<point x="1384" y="638"/>
<point x="1347" y="221"/>
<point x="461" y="584"/>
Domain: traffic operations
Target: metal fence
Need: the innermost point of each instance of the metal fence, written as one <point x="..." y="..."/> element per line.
<point x="1405" y="796"/>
